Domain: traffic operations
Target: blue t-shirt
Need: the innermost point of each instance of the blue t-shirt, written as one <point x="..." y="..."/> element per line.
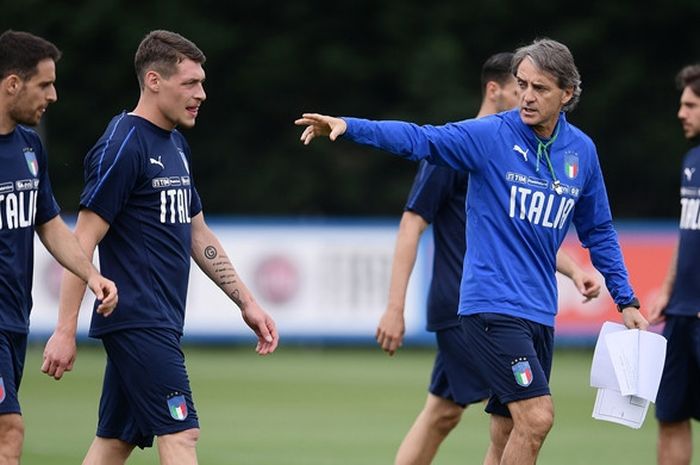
<point x="685" y="297"/>
<point x="137" y="178"/>
<point x="438" y="196"/>
<point x="26" y="200"/>
<point x="517" y="220"/>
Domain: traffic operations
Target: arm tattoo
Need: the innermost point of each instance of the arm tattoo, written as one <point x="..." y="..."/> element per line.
<point x="210" y="252"/>
<point x="222" y="270"/>
<point x="224" y="274"/>
<point x="236" y="297"/>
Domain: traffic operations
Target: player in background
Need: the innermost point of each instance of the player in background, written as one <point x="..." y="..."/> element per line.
<point x="678" y="302"/>
<point x="27" y="204"/>
<point x="437" y="197"/>
<point x="531" y="174"/>
<point x="140" y="205"/>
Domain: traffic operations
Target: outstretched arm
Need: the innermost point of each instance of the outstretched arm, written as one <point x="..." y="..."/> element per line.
<point x="60" y="350"/>
<point x="658" y="306"/>
<point x="211" y="257"/>
<point x="392" y="326"/>
<point x="460" y="145"/>
<point x="586" y="283"/>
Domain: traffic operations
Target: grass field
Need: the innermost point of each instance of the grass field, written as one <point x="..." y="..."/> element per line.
<point x="317" y="407"/>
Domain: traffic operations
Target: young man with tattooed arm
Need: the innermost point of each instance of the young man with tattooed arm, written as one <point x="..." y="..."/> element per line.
<point x="141" y="206"/>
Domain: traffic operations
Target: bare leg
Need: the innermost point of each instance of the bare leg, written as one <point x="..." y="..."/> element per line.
<point x="105" y="451"/>
<point x="11" y="438"/>
<point x="178" y="448"/>
<point x="500" y="428"/>
<point x="532" y="420"/>
<point x="675" y="445"/>
<point x="438" y="417"/>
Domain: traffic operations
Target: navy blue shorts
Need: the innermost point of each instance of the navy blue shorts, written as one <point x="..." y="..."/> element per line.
<point x="679" y="392"/>
<point x="146" y="390"/>
<point x="512" y="354"/>
<point x="454" y="375"/>
<point x="13" y="349"/>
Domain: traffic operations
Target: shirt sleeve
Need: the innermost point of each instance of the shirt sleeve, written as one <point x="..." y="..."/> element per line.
<point x="46" y="206"/>
<point x="593" y="222"/>
<point x="186" y="152"/>
<point x="456" y="145"/>
<point x="112" y="169"/>
<point x="431" y="187"/>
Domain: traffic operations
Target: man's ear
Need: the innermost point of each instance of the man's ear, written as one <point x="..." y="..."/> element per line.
<point x="567" y="96"/>
<point x="152" y="81"/>
<point x="491" y="90"/>
<point x="11" y="84"/>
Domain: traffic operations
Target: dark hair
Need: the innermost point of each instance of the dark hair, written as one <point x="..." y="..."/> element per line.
<point x="162" y="51"/>
<point x="21" y="52"/>
<point x="497" y="68"/>
<point x="554" y="58"/>
<point x="689" y="77"/>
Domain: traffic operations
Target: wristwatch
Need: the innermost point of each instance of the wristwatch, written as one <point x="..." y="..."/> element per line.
<point x="632" y="303"/>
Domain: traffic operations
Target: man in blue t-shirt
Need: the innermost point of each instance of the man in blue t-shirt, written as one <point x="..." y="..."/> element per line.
<point x="531" y="174"/>
<point x="437" y="197"/>
<point x="27" y="204"/>
<point x="678" y="302"/>
<point x="141" y="206"/>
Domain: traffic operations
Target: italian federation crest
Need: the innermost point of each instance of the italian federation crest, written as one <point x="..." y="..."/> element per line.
<point x="2" y="390"/>
<point x="32" y="164"/>
<point x="522" y="371"/>
<point x="571" y="165"/>
<point x="177" y="407"/>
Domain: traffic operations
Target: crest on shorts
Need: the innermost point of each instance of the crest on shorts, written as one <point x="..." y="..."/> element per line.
<point x="2" y="390"/>
<point x="177" y="406"/>
<point x="522" y="371"/>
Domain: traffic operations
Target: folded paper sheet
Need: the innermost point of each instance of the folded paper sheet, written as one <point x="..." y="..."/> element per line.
<point x="627" y="367"/>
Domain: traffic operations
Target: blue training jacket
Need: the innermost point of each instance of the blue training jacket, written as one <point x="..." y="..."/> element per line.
<point x="517" y="219"/>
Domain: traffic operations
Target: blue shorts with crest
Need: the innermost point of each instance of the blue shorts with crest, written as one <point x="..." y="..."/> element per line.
<point x="146" y="389"/>
<point x="512" y="354"/>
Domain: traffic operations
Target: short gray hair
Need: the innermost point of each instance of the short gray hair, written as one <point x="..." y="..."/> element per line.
<point x="554" y="58"/>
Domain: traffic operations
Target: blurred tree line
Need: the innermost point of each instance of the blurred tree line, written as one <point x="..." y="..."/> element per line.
<point x="267" y="62"/>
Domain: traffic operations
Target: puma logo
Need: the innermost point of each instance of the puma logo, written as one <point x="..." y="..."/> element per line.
<point x="689" y="173"/>
<point x="522" y="152"/>
<point x="156" y="162"/>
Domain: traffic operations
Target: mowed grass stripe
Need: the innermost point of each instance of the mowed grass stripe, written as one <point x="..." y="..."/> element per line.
<point x="304" y="406"/>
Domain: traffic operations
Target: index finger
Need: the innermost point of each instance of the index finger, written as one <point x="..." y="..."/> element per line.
<point x="308" y="118"/>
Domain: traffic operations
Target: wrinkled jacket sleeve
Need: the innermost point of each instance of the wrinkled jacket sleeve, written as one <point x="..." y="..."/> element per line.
<point x="457" y="145"/>
<point x="593" y="222"/>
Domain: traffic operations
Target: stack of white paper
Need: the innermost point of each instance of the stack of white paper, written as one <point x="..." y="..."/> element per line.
<point x="627" y="367"/>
